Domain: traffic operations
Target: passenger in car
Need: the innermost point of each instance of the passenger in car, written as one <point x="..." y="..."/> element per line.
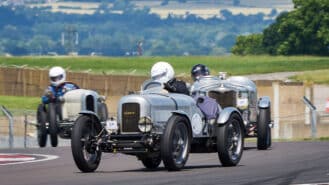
<point x="163" y="72"/>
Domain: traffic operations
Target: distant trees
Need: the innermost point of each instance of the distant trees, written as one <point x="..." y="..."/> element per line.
<point x="25" y="31"/>
<point x="304" y="30"/>
<point x="236" y="2"/>
<point x="249" y="45"/>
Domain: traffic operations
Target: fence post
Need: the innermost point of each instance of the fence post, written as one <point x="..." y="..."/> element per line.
<point x="276" y="109"/>
<point x="11" y="123"/>
<point x="25" y="129"/>
<point x="314" y="120"/>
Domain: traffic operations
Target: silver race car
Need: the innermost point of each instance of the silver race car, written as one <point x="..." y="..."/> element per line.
<point x="156" y="126"/>
<point x="241" y="93"/>
<point x="57" y="118"/>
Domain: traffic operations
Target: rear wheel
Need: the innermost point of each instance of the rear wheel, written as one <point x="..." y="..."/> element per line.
<point x="86" y="153"/>
<point x="151" y="162"/>
<point x="264" y="139"/>
<point x="230" y="141"/>
<point x="53" y="127"/>
<point x="41" y="127"/>
<point x="175" y="143"/>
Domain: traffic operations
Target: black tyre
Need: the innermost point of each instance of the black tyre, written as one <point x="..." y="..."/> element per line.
<point x="41" y="127"/>
<point x="264" y="139"/>
<point x="102" y="112"/>
<point x="230" y="141"/>
<point x="53" y="127"/>
<point x="86" y="153"/>
<point x="175" y="143"/>
<point x="151" y="162"/>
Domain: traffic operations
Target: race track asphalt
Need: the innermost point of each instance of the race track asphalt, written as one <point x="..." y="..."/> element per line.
<point x="284" y="163"/>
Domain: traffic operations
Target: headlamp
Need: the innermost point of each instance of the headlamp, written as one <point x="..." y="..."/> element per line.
<point x="145" y="124"/>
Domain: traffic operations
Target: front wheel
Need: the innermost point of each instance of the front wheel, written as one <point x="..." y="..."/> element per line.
<point x="53" y="128"/>
<point x="175" y="143"/>
<point x="264" y="139"/>
<point x="85" y="151"/>
<point x="41" y="127"/>
<point x="151" y="162"/>
<point x="230" y="141"/>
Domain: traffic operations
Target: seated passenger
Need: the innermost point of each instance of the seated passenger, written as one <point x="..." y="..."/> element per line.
<point x="58" y="86"/>
<point x="163" y="72"/>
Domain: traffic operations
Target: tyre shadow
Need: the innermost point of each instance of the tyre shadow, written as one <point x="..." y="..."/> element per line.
<point x="163" y="169"/>
<point x="250" y="148"/>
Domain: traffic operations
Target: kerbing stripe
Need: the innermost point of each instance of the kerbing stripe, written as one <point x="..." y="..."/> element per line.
<point x="44" y="158"/>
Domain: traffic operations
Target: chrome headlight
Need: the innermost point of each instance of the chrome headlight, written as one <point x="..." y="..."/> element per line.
<point x="145" y="124"/>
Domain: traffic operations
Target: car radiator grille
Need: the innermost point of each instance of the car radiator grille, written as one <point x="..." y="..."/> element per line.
<point x="130" y="116"/>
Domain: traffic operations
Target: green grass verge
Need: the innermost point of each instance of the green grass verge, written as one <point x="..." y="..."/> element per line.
<point x="234" y="65"/>
<point x="19" y="102"/>
<point x="318" y="77"/>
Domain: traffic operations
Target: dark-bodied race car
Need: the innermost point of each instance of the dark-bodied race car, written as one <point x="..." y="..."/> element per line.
<point x="57" y="118"/>
<point x="156" y="126"/>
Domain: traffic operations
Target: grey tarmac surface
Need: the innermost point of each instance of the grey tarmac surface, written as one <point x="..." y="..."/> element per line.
<point x="284" y="163"/>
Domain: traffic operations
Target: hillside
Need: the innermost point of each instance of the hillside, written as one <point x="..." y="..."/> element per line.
<point x="201" y="8"/>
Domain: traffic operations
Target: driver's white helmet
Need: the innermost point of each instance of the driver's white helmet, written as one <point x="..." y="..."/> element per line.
<point x="162" y="72"/>
<point x="57" y="75"/>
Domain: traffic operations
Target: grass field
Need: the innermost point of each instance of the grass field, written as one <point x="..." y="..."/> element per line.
<point x="22" y="103"/>
<point x="234" y="65"/>
<point x="318" y="77"/>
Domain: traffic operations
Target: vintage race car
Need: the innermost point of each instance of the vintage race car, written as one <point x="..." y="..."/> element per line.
<point x="156" y="126"/>
<point x="240" y="92"/>
<point x="57" y="118"/>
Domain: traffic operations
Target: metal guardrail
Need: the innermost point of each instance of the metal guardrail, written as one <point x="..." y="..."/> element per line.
<point x="26" y="123"/>
<point x="11" y="125"/>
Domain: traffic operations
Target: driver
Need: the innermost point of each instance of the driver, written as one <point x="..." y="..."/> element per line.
<point x="207" y="105"/>
<point x="164" y="73"/>
<point x="198" y="71"/>
<point x="58" y="86"/>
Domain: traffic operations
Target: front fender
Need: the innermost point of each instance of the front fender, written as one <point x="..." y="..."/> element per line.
<point x="182" y="113"/>
<point x="264" y="102"/>
<point x="90" y="113"/>
<point x="226" y="113"/>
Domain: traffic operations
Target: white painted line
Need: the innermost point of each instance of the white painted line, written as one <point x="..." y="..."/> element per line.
<point x="44" y="158"/>
<point x="16" y="159"/>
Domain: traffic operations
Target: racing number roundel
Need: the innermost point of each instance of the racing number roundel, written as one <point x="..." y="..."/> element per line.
<point x="196" y="124"/>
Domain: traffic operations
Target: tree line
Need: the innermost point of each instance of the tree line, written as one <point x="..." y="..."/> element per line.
<point x="303" y="31"/>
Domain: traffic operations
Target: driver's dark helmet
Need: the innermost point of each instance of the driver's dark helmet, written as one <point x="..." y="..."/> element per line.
<point x="198" y="71"/>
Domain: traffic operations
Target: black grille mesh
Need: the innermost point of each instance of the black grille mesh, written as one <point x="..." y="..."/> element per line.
<point x="130" y="116"/>
<point x="224" y="99"/>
